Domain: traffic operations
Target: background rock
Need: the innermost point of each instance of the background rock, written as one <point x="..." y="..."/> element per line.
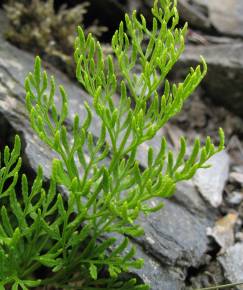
<point x="223" y="231"/>
<point x="226" y="16"/>
<point x="211" y="182"/>
<point x="175" y="236"/>
<point x="232" y="264"/>
<point x="158" y="276"/>
<point x="223" y="82"/>
<point x="194" y="13"/>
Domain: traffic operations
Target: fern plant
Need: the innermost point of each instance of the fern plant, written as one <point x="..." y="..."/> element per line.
<point x="72" y="240"/>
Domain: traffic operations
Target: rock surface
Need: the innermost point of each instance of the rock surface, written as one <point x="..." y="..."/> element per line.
<point x="223" y="231"/>
<point x="223" y="16"/>
<point x="194" y="13"/>
<point x="158" y="276"/>
<point x="223" y="81"/>
<point x="226" y="16"/>
<point x="232" y="263"/>
<point x="211" y="182"/>
<point x="175" y="236"/>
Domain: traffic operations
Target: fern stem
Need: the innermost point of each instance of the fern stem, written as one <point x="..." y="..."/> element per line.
<point x="221" y="286"/>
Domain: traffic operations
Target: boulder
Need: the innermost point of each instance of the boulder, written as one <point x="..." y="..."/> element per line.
<point x="226" y="16"/>
<point x="194" y="13"/>
<point x="223" y="17"/>
<point x="223" y="82"/>
<point x="232" y="264"/>
<point x="211" y="182"/>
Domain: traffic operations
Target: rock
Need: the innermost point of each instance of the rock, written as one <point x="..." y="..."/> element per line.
<point x="234" y="198"/>
<point x="203" y="277"/>
<point x="226" y="16"/>
<point x="232" y="264"/>
<point x="211" y="182"/>
<point x="158" y="276"/>
<point x="194" y="14"/>
<point x="223" y="16"/>
<point x="223" y="82"/>
<point x="223" y="231"/>
<point x="165" y="277"/>
<point x="176" y="235"/>
<point x="189" y="197"/>
<point x="236" y="177"/>
<point x="237" y="168"/>
<point x="239" y="237"/>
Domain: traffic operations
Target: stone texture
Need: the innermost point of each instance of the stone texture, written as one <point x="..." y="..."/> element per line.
<point x="232" y="264"/>
<point x="194" y="14"/>
<point x="175" y="236"/>
<point x="160" y="277"/>
<point x="211" y="182"/>
<point x="224" y="16"/>
<point x="223" y="231"/>
<point x="223" y="81"/>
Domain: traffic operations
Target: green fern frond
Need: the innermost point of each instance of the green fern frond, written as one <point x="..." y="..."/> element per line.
<point x="107" y="188"/>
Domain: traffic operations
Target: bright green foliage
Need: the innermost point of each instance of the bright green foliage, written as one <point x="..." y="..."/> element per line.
<point x="38" y="228"/>
<point x="107" y="189"/>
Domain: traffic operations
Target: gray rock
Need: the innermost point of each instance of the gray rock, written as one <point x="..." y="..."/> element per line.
<point x="223" y="231"/>
<point x="236" y="177"/>
<point x="232" y="264"/>
<point x="234" y="197"/>
<point x="211" y="182"/>
<point x="239" y="237"/>
<point x="194" y="14"/>
<point x="165" y="277"/>
<point x="223" y="16"/>
<point x="223" y="81"/>
<point x="175" y="236"/>
<point x="226" y="16"/>
<point x="189" y="197"/>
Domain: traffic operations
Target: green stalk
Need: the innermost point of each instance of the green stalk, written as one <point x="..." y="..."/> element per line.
<point x="221" y="286"/>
